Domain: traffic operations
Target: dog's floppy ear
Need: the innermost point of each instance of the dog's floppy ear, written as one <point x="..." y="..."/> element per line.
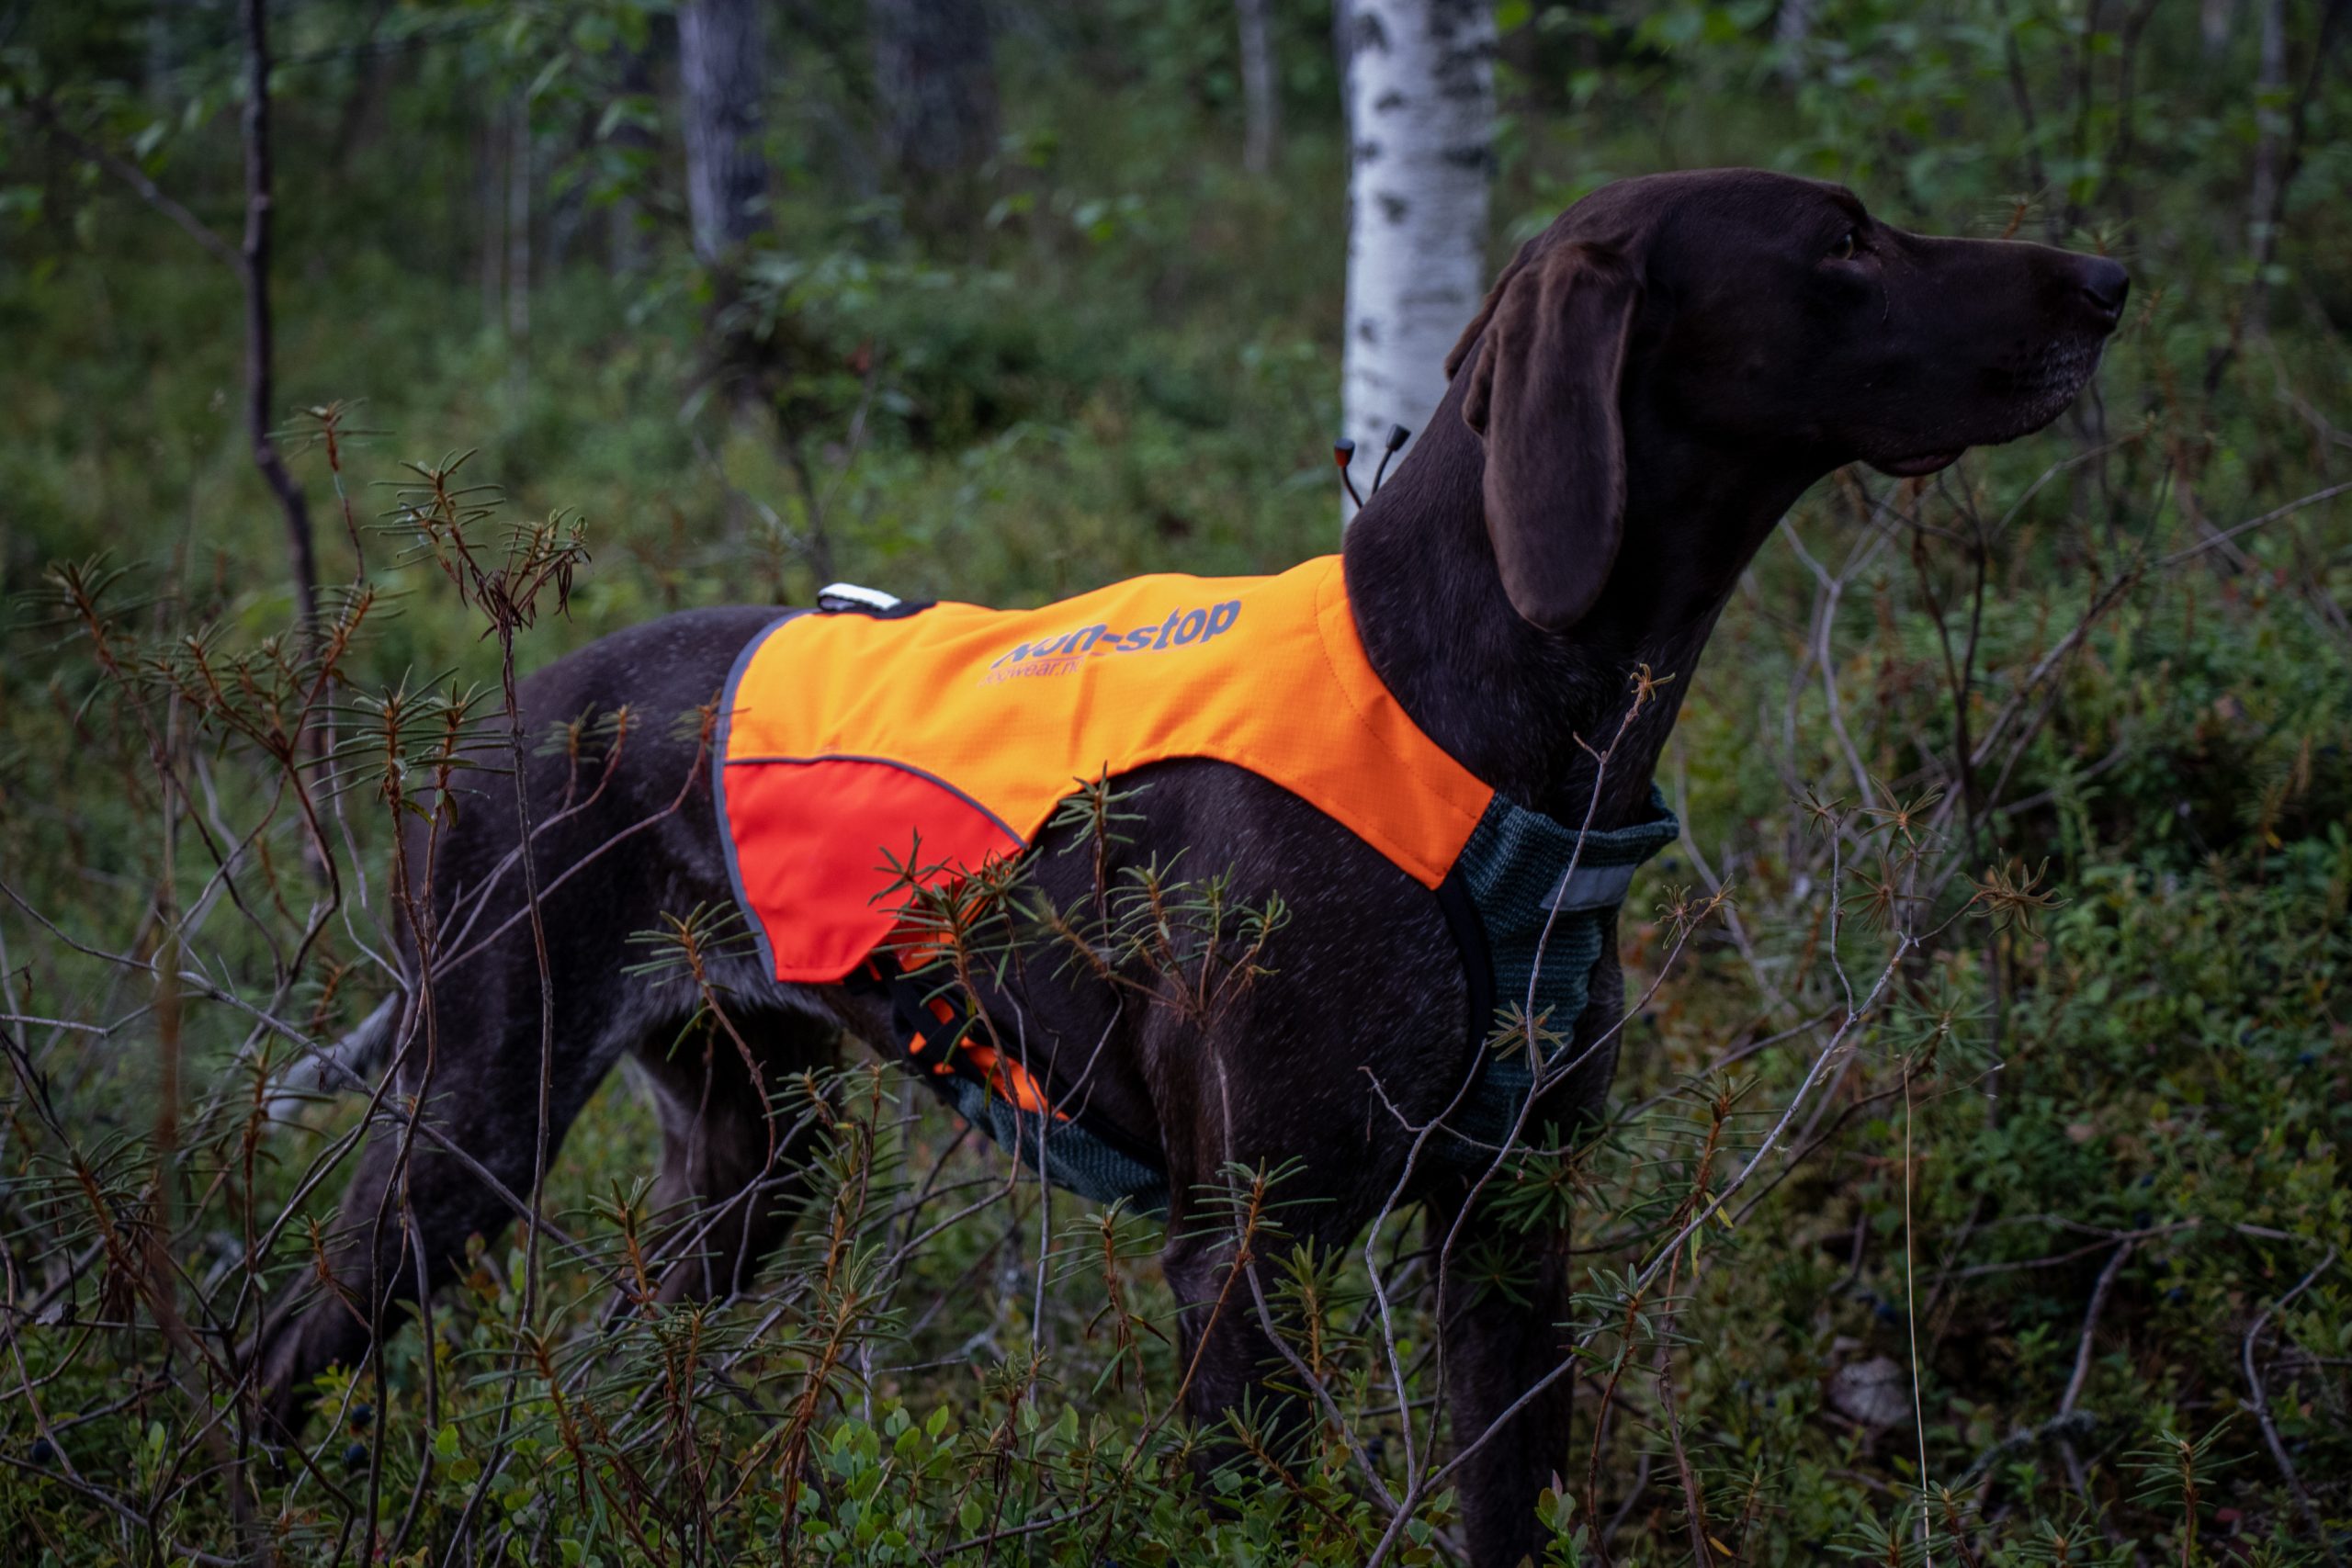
<point x="1543" y="398"/>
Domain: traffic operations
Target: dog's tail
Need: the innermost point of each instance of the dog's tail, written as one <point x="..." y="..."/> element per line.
<point x="347" y="1064"/>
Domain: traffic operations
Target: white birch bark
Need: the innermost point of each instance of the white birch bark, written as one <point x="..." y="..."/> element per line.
<point x="1421" y="86"/>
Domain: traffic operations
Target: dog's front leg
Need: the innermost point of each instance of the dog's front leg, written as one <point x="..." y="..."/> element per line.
<point x="1223" y="1345"/>
<point x="1235" y="1216"/>
<point x="1502" y="1343"/>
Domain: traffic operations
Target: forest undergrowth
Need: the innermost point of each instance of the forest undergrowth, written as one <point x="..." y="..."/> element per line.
<point x="1973" y="1189"/>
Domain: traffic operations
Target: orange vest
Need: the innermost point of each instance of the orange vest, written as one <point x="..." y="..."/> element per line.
<point x="860" y="751"/>
<point x="850" y="739"/>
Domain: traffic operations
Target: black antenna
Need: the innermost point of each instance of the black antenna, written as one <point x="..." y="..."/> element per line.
<point x="1343" y="452"/>
<point x="1398" y="437"/>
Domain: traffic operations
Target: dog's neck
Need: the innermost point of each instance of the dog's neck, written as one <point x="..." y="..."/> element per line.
<point x="1519" y="706"/>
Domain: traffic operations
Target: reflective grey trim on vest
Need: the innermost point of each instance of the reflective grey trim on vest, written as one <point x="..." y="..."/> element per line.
<point x="718" y="785"/>
<point x="1592" y="887"/>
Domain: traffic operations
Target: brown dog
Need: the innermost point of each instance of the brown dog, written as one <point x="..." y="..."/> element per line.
<point x="1651" y="384"/>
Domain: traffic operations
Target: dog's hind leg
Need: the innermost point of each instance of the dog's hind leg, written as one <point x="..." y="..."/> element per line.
<point x="452" y="1153"/>
<point x="735" y="1147"/>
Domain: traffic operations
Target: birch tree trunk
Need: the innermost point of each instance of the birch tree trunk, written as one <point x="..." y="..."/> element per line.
<point x="1420" y="87"/>
<point x="1260" y="98"/>
<point x="722" y="62"/>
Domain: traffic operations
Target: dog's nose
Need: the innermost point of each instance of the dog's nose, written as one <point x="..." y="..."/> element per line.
<point x="2105" y="285"/>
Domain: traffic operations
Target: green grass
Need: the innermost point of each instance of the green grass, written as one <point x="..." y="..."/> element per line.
<point x="2078" y="1166"/>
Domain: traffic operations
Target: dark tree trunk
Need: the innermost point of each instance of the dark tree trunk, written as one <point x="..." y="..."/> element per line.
<point x="626" y="244"/>
<point x="722" y="65"/>
<point x="165" y="51"/>
<point x="518" y="233"/>
<point x="2215" y="18"/>
<point x="491" y="147"/>
<point x="2280" y="152"/>
<point x="260" y="375"/>
<point x="1261" y="103"/>
<point x="1792" y="30"/>
<point x="934" y="74"/>
<point x="2270" y="78"/>
<point x="372" y="73"/>
<point x="568" y="210"/>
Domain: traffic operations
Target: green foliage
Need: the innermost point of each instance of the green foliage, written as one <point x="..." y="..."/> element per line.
<point x="1992" y="1065"/>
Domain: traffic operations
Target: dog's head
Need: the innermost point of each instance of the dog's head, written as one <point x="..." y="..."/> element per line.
<point x="1761" y="322"/>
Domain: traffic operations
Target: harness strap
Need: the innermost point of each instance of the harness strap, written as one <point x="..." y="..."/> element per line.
<point x="1543" y="898"/>
<point x="1531" y="904"/>
<point x="956" y="1054"/>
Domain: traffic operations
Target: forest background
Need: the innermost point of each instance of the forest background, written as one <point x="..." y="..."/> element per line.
<point x="1991" y="995"/>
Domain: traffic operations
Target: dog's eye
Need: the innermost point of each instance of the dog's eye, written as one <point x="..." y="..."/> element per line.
<point x="1848" y="246"/>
